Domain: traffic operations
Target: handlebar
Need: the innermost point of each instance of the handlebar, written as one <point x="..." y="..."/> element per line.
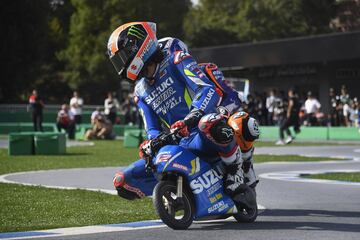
<point x="157" y="143"/>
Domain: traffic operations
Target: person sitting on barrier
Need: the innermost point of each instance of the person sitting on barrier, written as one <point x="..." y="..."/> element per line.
<point x="102" y="129"/>
<point x="94" y="114"/>
<point x="65" y="120"/>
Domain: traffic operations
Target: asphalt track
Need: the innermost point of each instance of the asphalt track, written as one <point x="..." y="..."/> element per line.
<point x="294" y="209"/>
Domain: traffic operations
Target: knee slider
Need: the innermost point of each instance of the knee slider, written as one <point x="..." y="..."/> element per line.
<point x="214" y="126"/>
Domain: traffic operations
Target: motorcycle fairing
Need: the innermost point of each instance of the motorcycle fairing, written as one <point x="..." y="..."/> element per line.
<point x="137" y="180"/>
<point x="204" y="179"/>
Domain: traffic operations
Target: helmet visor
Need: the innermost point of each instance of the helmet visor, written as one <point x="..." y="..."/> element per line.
<point x="120" y="60"/>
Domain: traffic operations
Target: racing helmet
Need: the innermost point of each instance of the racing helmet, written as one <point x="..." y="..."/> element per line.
<point x="245" y="127"/>
<point x="130" y="46"/>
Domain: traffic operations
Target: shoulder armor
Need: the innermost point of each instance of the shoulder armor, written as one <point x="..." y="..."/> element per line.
<point x="180" y="56"/>
<point x="140" y="88"/>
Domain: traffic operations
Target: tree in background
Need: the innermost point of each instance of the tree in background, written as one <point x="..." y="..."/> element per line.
<point x="32" y="32"/>
<point x="87" y="67"/>
<point x="58" y="46"/>
<point x="235" y="21"/>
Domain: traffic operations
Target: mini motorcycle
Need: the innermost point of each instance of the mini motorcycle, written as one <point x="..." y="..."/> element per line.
<point x="185" y="187"/>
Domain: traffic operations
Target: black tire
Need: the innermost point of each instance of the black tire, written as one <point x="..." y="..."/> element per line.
<point x="167" y="207"/>
<point x="246" y="215"/>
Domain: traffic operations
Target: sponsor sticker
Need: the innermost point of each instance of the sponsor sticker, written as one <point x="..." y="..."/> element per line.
<point x="207" y="99"/>
<point x="216" y="197"/>
<point x="164" y="157"/>
<point x="206" y="181"/>
<point x="218" y="207"/>
<point x="179" y="166"/>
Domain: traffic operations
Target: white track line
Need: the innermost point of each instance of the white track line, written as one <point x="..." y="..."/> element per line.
<point x="296" y="176"/>
<point x="62" y="232"/>
<point x="4" y="180"/>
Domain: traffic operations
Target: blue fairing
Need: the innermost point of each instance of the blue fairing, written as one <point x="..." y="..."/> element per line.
<point x="141" y="181"/>
<point x="204" y="179"/>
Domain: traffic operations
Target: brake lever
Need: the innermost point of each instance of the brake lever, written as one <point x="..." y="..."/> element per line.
<point x="149" y="167"/>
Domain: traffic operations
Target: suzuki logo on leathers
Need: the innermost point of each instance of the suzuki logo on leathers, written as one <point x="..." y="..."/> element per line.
<point x="207" y="99"/>
<point x="158" y="90"/>
<point x="205" y="181"/>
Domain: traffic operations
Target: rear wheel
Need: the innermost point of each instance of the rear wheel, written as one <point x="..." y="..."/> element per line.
<point x="174" y="212"/>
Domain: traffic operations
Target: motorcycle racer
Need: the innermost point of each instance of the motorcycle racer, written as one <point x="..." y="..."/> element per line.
<point x="172" y="93"/>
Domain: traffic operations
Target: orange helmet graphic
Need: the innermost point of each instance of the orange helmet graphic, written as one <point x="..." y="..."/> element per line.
<point x="130" y="46"/>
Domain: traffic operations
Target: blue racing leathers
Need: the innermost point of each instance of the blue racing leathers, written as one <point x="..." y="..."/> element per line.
<point x="178" y="86"/>
<point x="231" y="99"/>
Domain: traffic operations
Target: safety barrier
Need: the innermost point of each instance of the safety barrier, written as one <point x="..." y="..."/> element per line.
<point x="48" y="117"/>
<point x="315" y="133"/>
<point x="39" y="143"/>
<point x="267" y="132"/>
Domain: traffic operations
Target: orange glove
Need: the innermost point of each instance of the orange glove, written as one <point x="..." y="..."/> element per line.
<point x="181" y="126"/>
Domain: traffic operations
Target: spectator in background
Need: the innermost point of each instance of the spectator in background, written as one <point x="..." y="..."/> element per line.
<point x="102" y="129"/>
<point x="111" y="106"/>
<point x="333" y="114"/>
<point x="250" y="106"/>
<point x="270" y="105"/>
<point x="76" y="104"/>
<point x="36" y="106"/>
<point x="130" y="110"/>
<point x="353" y="113"/>
<point x="260" y="109"/>
<point x="66" y="120"/>
<point x="279" y="108"/>
<point x="344" y="97"/>
<point x="94" y="114"/>
<point x="291" y="119"/>
<point x="312" y="107"/>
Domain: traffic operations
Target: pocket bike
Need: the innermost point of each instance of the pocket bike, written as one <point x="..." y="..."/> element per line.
<point x="185" y="187"/>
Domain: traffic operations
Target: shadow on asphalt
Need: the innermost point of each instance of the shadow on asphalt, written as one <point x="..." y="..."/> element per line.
<point x="316" y="213"/>
<point x="308" y="220"/>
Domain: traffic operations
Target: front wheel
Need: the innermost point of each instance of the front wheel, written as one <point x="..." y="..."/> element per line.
<point x="174" y="212"/>
<point x="246" y="215"/>
<point x="247" y="206"/>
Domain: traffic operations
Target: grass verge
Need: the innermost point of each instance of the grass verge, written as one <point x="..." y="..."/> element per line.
<point x="29" y="208"/>
<point x="101" y="154"/>
<point x="32" y="208"/>
<point x="261" y="158"/>
<point x="348" y="177"/>
<point x="298" y="144"/>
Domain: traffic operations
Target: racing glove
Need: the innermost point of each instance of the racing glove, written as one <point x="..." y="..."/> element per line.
<point x="145" y="149"/>
<point x="181" y="127"/>
<point x="190" y="121"/>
